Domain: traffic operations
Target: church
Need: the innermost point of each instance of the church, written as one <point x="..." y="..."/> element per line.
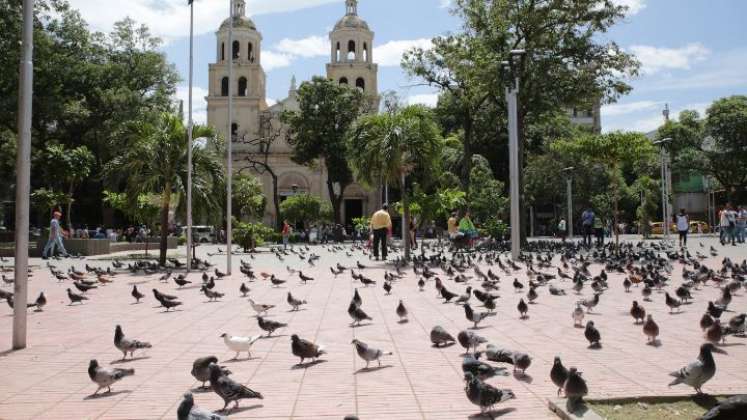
<point x="256" y="125"/>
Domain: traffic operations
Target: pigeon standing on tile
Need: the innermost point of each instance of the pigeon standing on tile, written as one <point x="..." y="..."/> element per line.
<point x="470" y="340"/>
<point x="578" y="315"/>
<point x="485" y="395"/>
<point x="228" y="389"/>
<point x="187" y="410"/>
<point x="651" y="329"/>
<point x="575" y="387"/>
<point x="592" y="335"/>
<point x="697" y="373"/>
<point x="295" y="303"/>
<point x="239" y="344"/>
<point x="105" y="377"/>
<point x="201" y="369"/>
<point x="269" y="325"/>
<point x="439" y="336"/>
<point x="305" y="349"/>
<point x="41" y="302"/>
<point x="637" y="312"/>
<point x="357" y="314"/>
<point x="136" y="294"/>
<point x="75" y="298"/>
<point x="368" y="353"/>
<point x="126" y="345"/>
<point x="401" y="311"/>
<point x="558" y="374"/>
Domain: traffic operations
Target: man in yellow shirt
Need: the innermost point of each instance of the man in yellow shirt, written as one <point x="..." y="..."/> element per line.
<point x="381" y="222"/>
<point x="451" y="224"/>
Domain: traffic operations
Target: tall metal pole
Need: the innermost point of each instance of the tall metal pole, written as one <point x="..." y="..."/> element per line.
<point x="229" y="137"/>
<point x="569" y="188"/>
<point x="513" y="153"/>
<point x="189" y="138"/>
<point x="23" y="177"/>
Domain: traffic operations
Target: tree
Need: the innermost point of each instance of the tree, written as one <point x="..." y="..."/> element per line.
<point x="485" y="196"/>
<point x="48" y="200"/>
<point x="248" y="199"/>
<point x="302" y="208"/>
<point x="610" y="152"/>
<point x="388" y="147"/>
<point x="249" y="235"/>
<point x="317" y="130"/>
<point x="648" y="189"/>
<point x="70" y="167"/>
<point x="155" y="161"/>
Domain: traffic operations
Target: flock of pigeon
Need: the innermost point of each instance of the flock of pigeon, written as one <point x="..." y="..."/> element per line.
<point x="561" y="269"/>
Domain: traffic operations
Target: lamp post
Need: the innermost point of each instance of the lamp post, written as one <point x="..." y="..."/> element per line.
<point x="23" y="177"/>
<point x="189" y="136"/>
<point x="569" y="197"/>
<point x="512" y="93"/>
<point x="664" y="185"/>
<point x="229" y="158"/>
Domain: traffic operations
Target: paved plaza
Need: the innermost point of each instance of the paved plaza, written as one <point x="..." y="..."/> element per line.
<point x="49" y="380"/>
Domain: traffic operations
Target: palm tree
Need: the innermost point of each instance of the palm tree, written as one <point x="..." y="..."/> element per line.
<point x="156" y="162"/>
<point x="388" y="147"/>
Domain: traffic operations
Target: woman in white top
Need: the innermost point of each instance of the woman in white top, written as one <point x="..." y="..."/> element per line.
<point x="683" y="226"/>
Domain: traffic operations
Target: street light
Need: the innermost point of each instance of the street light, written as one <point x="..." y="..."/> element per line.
<point x="512" y="92"/>
<point x="189" y="137"/>
<point x="229" y="136"/>
<point x="569" y="193"/>
<point x="664" y="186"/>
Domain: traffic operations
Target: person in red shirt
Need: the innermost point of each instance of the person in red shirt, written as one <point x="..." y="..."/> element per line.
<point x="286" y="233"/>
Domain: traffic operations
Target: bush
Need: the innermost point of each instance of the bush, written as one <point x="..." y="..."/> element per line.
<point x="250" y="235"/>
<point x="494" y="228"/>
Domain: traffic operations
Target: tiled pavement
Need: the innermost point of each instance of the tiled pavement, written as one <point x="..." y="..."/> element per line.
<point x="48" y="380"/>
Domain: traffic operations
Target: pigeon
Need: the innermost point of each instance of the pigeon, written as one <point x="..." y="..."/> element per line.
<point x="472" y="364"/>
<point x="627" y="284"/>
<point x="357" y="298"/>
<point x="401" y="311"/>
<point x="75" y="298"/>
<point x="462" y="299"/>
<point x="269" y="325"/>
<point x="305" y="349"/>
<point x="228" y="389"/>
<point x="683" y="293"/>
<point x="717" y="333"/>
<point x="421" y="284"/>
<point x="201" y="369"/>
<point x="276" y="282"/>
<point x="575" y="387"/>
<point x="705" y="322"/>
<point x="368" y="353"/>
<point x="484" y="395"/>
<point x="357" y="314"/>
<point x="105" y="377"/>
<point x="651" y="329"/>
<point x="558" y="374"/>
<point x="181" y="282"/>
<point x="447" y="295"/>
<point x="126" y="345"/>
<point x="697" y="373"/>
<point x="83" y="287"/>
<point x="715" y="311"/>
<point x="672" y="302"/>
<point x="212" y="295"/>
<point x="168" y="304"/>
<point x="304" y="278"/>
<point x="41" y="302"/>
<point x="187" y="410"/>
<point x="260" y="308"/>
<point x="592" y="335"/>
<point x="239" y="344"/>
<point x="532" y="294"/>
<point x="732" y="408"/>
<point x="295" y="303"/>
<point x="518" y="286"/>
<point x="474" y="317"/>
<point x="5" y="295"/>
<point x="387" y="287"/>
<point x="521" y="361"/>
<point x="736" y="323"/>
<point x="646" y="293"/>
<point x="439" y="336"/>
<point x="219" y="274"/>
<point x="470" y="340"/>
<point x="637" y="312"/>
<point x="523" y="308"/>
<point x="243" y="289"/>
<point x="590" y="304"/>
<point x="577" y="315"/>
<point x="162" y="296"/>
<point x="136" y="294"/>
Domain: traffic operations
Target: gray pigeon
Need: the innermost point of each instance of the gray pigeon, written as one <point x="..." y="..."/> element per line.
<point x="439" y="336"/>
<point x="201" y="369"/>
<point x="575" y="387"/>
<point x="697" y="373"/>
<point x="470" y="340"/>
<point x="732" y="408"/>
<point x="558" y="374"/>
<point x="126" y="345"/>
<point x="105" y="377"/>
<point x="228" y="389"/>
<point x="368" y="353"/>
<point x="305" y="349"/>
<point x="484" y="395"/>
<point x="269" y="325"/>
<point x="401" y="311"/>
<point x="357" y="314"/>
<point x="189" y="411"/>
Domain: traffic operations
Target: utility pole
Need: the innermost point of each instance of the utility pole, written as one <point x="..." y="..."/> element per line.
<point x="189" y="138"/>
<point x="512" y="93"/>
<point x="229" y="138"/>
<point x="569" y="197"/>
<point x="23" y="177"/>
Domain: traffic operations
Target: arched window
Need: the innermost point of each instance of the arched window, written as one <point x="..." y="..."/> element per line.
<point x="224" y="87"/>
<point x="365" y="52"/>
<point x="242" y="86"/>
<point x="236" y="49"/>
<point x="360" y="83"/>
<point x="337" y="53"/>
<point x="343" y="80"/>
<point x="222" y="51"/>
<point x="351" y="50"/>
<point x="250" y="52"/>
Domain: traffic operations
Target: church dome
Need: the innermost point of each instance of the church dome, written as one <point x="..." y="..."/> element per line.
<point x="239" y="22"/>
<point x="351" y="22"/>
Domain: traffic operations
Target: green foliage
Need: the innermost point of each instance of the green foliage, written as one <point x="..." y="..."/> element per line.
<point x="249" y="235"/>
<point x="46" y="200"/>
<point x="67" y="168"/>
<point x="649" y="191"/>
<point x="247" y="197"/>
<point x="317" y="130"/>
<point x="485" y="198"/>
<point x="495" y="228"/>
<point x="143" y="209"/>
<point x="304" y="208"/>
<point x="361" y="224"/>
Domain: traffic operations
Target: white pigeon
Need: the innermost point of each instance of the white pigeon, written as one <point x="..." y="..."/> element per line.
<point x="239" y="344"/>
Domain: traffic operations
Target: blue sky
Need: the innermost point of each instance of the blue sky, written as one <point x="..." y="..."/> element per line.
<point x="693" y="51"/>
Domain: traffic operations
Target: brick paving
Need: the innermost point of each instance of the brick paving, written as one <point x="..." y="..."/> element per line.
<point x="49" y="380"/>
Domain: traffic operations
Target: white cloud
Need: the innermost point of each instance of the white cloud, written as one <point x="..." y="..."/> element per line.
<point x="274" y="60"/>
<point x="390" y="54"/>
<point x="169" y="19"/>
<point x="199" y="105"/>
<point x="655" y="59"/>
<point x="654" y="119"/>
<point x="428" y="99"/>
<point x="270" y="101"/>
<point x="634" y="6"/>
<point x="444" y="4"/>
<point x="311" y="46"/>
<point x="614" y="110"/>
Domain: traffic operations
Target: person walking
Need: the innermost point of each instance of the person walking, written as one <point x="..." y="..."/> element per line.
<point x="55" y="237"/>
<point x="286" y="233"/>
<point x="683" y="227"/>
<point x="598" y="227"/>
<point x="452" y="227"/>
<point x="741" y="224"/>
<point x="723" y="225"/>
<point x="467" y="228"/>
<point x="731" y="218"/>
<point x="562" y="229"/>
<point x="587" y="223"/>
<point x="381" y="222"/>
<point x="413" y="232"/>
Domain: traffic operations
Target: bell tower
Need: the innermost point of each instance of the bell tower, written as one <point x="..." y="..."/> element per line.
<point x="248" y="88"/>
<point x="351" y="59"/>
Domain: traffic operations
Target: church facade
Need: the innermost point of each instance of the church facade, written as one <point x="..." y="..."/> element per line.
<point x="255" y="124"/>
